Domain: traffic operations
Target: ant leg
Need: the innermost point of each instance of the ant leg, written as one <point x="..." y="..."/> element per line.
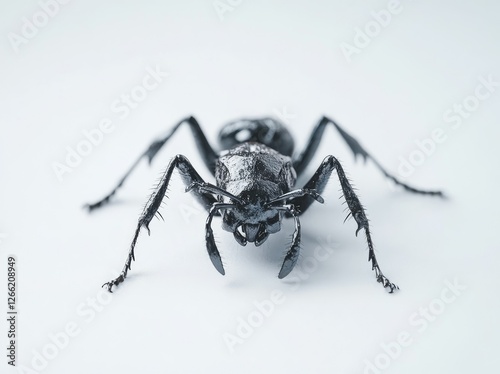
<point x="208" y="154"/>
<point x="189" y="176"/>
<point x="318" y="183"/>
<point x="292" y="255"/>
<point x="213" y="252"/>
<point x="303" y="159"/>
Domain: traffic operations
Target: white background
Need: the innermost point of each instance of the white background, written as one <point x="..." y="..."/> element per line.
<point x="172" y="313"/>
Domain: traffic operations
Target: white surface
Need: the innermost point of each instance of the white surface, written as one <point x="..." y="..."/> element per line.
<point x="172" y="313"/>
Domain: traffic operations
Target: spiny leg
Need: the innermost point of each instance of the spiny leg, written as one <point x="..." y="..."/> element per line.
<point x="318" y="182"/>
<point x="208" y="154"/>
<point x="303" y="159"/>
<point x="292" y="255"/>
<point x="189" y="176"/>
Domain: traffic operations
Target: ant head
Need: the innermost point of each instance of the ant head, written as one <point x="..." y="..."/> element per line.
<point x="258" y="210"/>
<point x="251" y="225"/>
<point x="251" y="218"/>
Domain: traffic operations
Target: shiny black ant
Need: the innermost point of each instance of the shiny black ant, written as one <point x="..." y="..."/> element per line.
<point x="255" y="175"/>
